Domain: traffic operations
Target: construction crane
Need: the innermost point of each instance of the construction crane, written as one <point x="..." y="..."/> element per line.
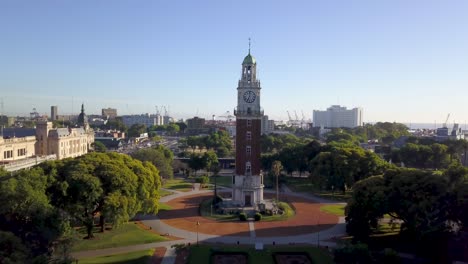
<point x="165" y="110"/>
<point x="228" y="116"/>
<point x="289" y="116"/>
<point x="157" y="110"/>
<point x="446" y="120"/>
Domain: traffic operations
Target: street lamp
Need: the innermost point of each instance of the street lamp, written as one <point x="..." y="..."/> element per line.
<point x="318" y="233"/>
<point x="198" y="223"/>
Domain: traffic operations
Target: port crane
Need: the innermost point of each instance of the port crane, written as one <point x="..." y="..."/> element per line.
<point x="446" y="120"/>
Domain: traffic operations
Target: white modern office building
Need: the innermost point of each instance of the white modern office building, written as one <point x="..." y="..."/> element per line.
<point x="338" y="116"/>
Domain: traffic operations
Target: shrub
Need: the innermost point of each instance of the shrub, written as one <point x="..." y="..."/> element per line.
<point x="202" y="180"/>
<point x="390" y="256"/>
<point x="217" y="199"/>
<point x="353" y="253"/>
<point x="258" y="217"/>
<point x="242" y="217"/>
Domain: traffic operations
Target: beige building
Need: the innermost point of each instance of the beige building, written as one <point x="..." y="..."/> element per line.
<point x="63" y="142"/>
<point x="13" y="149"/>
<point x="48" y="141"/>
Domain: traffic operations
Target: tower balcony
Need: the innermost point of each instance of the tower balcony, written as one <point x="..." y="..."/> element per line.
<point x="248" y="112"/>
<point x="249" y="84"/>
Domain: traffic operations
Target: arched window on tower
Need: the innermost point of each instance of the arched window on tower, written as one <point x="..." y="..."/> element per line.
<point x="248" y="168"/>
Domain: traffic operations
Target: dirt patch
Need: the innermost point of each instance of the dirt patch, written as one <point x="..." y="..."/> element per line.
<point x="308" y="219"/>
<point x="158" y="255"/>
<point x="185" y="215"/>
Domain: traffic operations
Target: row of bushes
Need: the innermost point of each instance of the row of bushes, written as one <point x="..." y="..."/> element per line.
<point x="243" y="217"/>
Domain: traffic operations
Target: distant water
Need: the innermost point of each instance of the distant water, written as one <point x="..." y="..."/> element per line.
<point x="432" y="126"/>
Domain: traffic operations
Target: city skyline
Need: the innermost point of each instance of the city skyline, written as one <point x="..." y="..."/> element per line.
<point x="400" y="61"/>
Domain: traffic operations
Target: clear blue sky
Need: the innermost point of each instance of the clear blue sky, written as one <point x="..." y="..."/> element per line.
<point x="404" y="61"/>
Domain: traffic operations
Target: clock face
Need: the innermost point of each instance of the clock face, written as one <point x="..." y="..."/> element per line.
<point x="249" y="97"/>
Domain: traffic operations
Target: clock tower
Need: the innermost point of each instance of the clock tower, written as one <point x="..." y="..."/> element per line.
<point x="247" y="183"/>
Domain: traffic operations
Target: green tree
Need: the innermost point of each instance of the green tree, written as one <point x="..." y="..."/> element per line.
<point x="116" y="124"/>
<point x="160" y="156"/>
<point x="26" y="211"/>
<point x="277" y="167"/>
<point x="113" y="185"/>
<point x="211" y="160"/>
<point x="197" y="162"/>
<point x="12" y="249"/>
<point x="136" y="130"/>
<point x="366" y="208"/>
<point x="99" y="146"/>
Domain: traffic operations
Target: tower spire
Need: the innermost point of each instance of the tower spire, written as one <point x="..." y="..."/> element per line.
<point x="249" y="46"/>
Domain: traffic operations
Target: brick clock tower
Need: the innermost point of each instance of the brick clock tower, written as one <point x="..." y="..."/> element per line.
<point x="247" y="183"/>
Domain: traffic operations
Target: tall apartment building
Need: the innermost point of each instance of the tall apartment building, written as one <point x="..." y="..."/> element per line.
<point x="53" y="112"/>
<point x="338" y="116"/>
<point x="267" y="125"/>
<point x="111" y="113"/>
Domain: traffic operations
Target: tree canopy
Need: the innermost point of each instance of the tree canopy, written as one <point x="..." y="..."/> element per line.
<point x="39" y="204"/>
<point x="426" y="202"/>
<point x="159" y="156"/>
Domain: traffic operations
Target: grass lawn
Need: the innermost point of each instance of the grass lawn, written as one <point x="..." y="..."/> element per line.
<point x="288" y="212"/>
<point x="163" y="193"/>
<point x="127" y="234"/>
<point x="164" y="207"/>
<point x="136" y="257"/>
<point x="336" y="209"/>
<point x="225" y="181"/>
<point x="178" y="185"/>
<point x="202" y="253"/>
<point x="307" y="186"/>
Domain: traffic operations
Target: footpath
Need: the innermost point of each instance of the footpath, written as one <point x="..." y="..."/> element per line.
<point x="322" y="238"/>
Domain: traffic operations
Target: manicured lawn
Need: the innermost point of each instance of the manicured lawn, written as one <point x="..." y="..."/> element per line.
<point x="225" y="181"/>
<point x="163" y="193"/>
<point x="178" y="184"/>
<point x="164" y="207"/>
<point x="127" y="234"/>
<point x="305" y="185"/>
<point x="336" y="209"/>
<point x="136" y="257"/>
<point x="288" y="212"/>
<point x="202" y="253"/>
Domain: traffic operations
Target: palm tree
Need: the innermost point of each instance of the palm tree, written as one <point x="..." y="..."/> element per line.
<point x="277" y="167"/>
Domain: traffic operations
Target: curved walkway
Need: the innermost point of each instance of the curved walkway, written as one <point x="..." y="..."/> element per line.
<point x="321" y="238"/>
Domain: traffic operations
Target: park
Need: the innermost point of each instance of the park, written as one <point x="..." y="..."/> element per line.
<point x="309" y="231"/>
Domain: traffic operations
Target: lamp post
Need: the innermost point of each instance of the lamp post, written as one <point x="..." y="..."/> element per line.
<point x="318" y="233"/>
<point x="198" y="223"/>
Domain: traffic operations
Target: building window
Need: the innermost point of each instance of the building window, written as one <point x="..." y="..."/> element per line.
<point x="249" y="122"/>
<point x="234" y="179"/>
<point x="248" y="168"/>
<point x="249" y="150"/>
<point x="21" y="152"/>
<point x="8" y="154"/>
<point x="249" y="135"/>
